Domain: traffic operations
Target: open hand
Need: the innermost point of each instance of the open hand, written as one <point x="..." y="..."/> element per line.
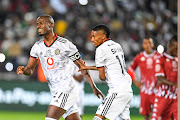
<point x="98" y="93"/>
<point x="83" y="68"/>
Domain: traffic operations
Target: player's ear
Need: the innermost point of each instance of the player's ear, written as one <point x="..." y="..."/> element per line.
<point x="152" y="45"/>
<point x="51" y="25"/>
<point x="143" y="46"/>
<point x="104" y="37"/>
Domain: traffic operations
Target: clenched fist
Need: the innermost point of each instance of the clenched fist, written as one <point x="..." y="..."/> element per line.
<point x="20" y="70"/>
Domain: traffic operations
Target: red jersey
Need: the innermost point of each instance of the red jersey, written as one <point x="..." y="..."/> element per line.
<point x="167" y="66"/>
<point x="146" y="63"/>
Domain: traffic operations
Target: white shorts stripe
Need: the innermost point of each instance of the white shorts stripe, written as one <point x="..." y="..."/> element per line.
<point x="108" y="104"/>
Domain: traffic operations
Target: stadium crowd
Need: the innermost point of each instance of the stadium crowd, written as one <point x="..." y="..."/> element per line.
<point x="129" y="20"/>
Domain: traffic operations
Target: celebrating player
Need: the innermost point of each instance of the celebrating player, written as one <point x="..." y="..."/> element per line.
<point x="110" y="63"/>
<point x="146" y="62"/>
<point x="165" y="103"/>
<point x="55" y="53"/>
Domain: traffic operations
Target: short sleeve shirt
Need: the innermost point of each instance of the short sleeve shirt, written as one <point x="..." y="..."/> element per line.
<point x="111" y="56"/>
<point x="54" y="60"/>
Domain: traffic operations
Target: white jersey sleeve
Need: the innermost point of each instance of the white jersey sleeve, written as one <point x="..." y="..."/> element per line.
<point x="100" y="58"/>
<point x="72" y="51"/>
<point x="33" y="52"/>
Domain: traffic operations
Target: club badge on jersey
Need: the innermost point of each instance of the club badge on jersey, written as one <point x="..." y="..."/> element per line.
<point x="57" y="52"/>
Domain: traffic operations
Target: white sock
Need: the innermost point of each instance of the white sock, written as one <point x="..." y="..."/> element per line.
<point x="96" y="118"/>
<point x="48" y="118"/>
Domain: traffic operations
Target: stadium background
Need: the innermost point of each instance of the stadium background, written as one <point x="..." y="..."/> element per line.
<point x="129" y="20"/>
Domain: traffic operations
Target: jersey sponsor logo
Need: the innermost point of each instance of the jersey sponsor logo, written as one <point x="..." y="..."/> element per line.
<point x="50" y="61"/>
<point x="57" y="51"/>
<point x="149" y="61"/>
<point x="49" y="68"/>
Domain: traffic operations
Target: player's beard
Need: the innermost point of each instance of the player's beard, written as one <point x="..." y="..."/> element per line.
<point x="42" y="34"/>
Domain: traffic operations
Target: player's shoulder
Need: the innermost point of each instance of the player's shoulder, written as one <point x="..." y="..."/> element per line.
<point x="167" y="56"/>
<point x="100" y="48"/>
<point x="141" y="54"/>
<point x="39" y="41"/>
<point x="108" y="44"/>
<point x="160" y="58"/>
<point x="157" y="53"/>
<point x="62" y="40"/>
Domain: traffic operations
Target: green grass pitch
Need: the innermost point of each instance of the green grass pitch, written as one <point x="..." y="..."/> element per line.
<point x="14" y="115"/>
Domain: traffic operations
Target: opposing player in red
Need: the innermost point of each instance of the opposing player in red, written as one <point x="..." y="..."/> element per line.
<point x="165" y="103"/>
<point x="146" y="62"/>
<point x="55" y="54"/>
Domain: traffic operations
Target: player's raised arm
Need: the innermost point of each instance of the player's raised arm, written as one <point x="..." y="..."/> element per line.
<point x="28" y="70"/>
<point x="80" y="64"/>
<point x="101" y="71"/>
<point x="88" y="68"/>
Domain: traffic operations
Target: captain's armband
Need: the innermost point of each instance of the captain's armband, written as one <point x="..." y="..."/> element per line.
<point x="75" y="57"/>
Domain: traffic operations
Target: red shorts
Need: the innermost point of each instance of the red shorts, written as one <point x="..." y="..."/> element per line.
<point x="146" y="103"/>
<point x="164" y="109"/>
